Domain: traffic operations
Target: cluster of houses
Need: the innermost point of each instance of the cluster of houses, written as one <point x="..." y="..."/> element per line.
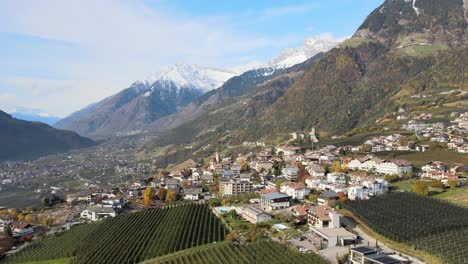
<point x="20" y="230"/>
<point x="453" y="136"/>
<point x="394" y="142"/>
<point x="100" y="204"/>
<point x="381" y="166"/>
<point x="439" y="171"/>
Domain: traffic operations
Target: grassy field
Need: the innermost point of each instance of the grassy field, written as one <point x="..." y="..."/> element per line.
<point x="19" y="198"/>
<point x="406" y="186"/>
<point x="448" y="157"/>
<point x="422" y="50"/>
<point x="457" y="196"/>
<point x="354" y="42"/>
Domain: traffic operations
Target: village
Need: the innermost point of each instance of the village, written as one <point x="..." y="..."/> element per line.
<point x="290" y="193"/>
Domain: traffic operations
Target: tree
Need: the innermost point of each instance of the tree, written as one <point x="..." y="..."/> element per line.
<point x="162" y="193"/>
<point x="366" y="148"/>
<point x="276" y="168"/>
<point x="255" y="178"/>
<point x="403" y="141"/>
<point x="148" y="196"/>
<point x="302" y="174"/>
<point x="230" y="237"/>
<point x="46" y="201"/>
<point x="453" y="183"/>
<point x="278" y="184"/>
<point x="421" y="188"/>
<point x="391" y="178"/>
<point x="171" y="196"/>
<point x="28" y="218"/>
<point x="225" y="201"/>
<point x="245" y="168"/>
<point x="342" y="197"/>
<point x="313" y="197"/>
<point x="437" y="184"/>
<point x="336" y="166"/>
<point x="45" y="221"/>
<point x="255" y="232"/>
<point x="13" y="212"/>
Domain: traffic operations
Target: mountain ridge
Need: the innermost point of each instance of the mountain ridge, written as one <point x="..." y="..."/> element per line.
<point x="349" y="87"/>
<point x="145" y="101"/>
<point x="25" y="140"/>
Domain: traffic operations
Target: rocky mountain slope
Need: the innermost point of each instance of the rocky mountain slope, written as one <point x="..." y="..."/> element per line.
<point x="352" y="85"/>
<point x="401" y="46"/>
<point x="145" y="101"/>
<point x="21" y="139"/>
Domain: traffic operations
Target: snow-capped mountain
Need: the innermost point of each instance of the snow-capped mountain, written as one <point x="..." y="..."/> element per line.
<point x="311" y="47"/>
<point x="145" y="101"/>
<point x="190" y="76"/>
<point x="292" y="56"/>
<point x="169" y="90"/>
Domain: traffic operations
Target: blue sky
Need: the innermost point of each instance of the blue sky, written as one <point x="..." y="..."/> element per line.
<point x="58" y="56"/>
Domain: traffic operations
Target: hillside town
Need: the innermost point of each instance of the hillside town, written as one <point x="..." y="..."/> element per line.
<point x="297" y="191"/>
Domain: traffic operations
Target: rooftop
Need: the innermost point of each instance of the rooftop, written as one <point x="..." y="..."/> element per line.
<point x="335" y="232"/>
<point x="383" y="259"/>
<point x="364" y="250"/>
<point x="276" y="195"/>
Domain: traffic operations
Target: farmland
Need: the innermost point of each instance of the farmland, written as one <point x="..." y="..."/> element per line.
<point x="130" y="238"/>
<point x="458" y="196"/>
<point x="428" y="224"/>
<point x="257" y="252"/>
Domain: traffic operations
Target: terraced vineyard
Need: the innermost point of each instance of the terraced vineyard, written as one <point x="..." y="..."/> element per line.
<point x="434" y="226"/>
<point x="130" y="238"/>
<point x="260" y="252"/>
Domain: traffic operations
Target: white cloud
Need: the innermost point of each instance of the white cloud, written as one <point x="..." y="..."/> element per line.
<point x="8" y="102"/>
<point x="119" y="41"/>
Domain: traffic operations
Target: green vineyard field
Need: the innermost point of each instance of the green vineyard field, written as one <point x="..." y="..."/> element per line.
<point x="429" y="224"/>
<point x="130" y="238"/>
<point x="260" y="252"/>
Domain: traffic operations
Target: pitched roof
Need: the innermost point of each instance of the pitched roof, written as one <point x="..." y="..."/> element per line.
<point x="266" y="191"/>
<point x="329" y="194"/>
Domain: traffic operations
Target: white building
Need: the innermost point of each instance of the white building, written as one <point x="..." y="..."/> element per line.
<point x="381" y="166"/>
<point x="254" y="215"/>
<point x="290" y="173"/>
<point x="315" y="170"/>
<point x="21" y="229"/>
<point x="295" y="190"/>
<point x="235" y="187"/>
<point x="97" y="212"/>
<point x="274" y="201"/>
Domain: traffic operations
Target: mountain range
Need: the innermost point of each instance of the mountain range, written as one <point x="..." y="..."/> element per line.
<point x="401" y="49"/>
<point x="43" y="118"/>
<point x="145" y="101"/>
<point x="21" y="139"/>
<point x="163" y="100"/>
